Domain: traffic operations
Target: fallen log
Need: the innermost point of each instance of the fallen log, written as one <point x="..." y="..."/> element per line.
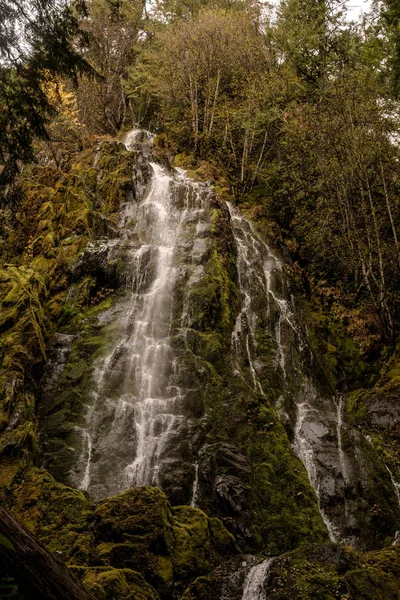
<point x="33" y="567"/>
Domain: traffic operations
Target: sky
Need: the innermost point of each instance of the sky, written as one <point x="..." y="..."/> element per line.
<point x="355" y="7"/>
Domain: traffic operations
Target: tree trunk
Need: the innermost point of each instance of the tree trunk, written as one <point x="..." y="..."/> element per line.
<point x="34" y="567"/>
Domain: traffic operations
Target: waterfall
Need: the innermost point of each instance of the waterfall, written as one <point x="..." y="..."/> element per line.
<point x="395" y="484"/>
<point x="342" y="456"/>
<point x="137" y="135"/>
<point x="256" y="581"/>
<point x="268" y="312"/>
<point x="305" y="451"/>
<point x="254" y="279"/>
<point x="265" y="305"/>
<point x="145" y="420"/>
<point x="135" y="416"/>
<point x="193" y="501"/>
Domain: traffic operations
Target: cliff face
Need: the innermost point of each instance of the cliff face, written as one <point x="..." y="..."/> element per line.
<point x="170" y="412"/>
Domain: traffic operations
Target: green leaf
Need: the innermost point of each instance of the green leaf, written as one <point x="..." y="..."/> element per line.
<point x="5" y="542"/>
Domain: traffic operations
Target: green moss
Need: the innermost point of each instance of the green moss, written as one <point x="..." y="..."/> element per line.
<point x="116" y="584"/>
<point x="198" y="542"/>
<point x="66" y="406"/>
<point x="319" y="571"/>
<point x="329" y="572"/>
<point x="372" y="584"/>
<point x="372" y="411"/>
<point x="114" y="167"/>
<point x="50" y="510"/>
<point x="22" y="439"/>
<point x="22" y="345"/>
<point x="286" y="511"/>
<point x="51" y="229"/>
<point x="356" y="407"/>
<point x="200" y="170"/>
<point x="131" y="513"/>
<point x="209" y="345"/>
<point x="335" y="351"/>
<point x="136" y="531"/>
<point x="213" y="300"/>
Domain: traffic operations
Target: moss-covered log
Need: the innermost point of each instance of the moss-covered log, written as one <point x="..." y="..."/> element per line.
<point x="35" y="568"/>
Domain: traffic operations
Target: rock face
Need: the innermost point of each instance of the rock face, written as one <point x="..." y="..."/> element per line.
<point x="172" y="356"/>
<point x="204" y="343"/>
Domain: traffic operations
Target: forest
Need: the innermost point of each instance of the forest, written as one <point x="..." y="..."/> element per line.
<point x="290" y="109"/>
<point x="276" y="126"/>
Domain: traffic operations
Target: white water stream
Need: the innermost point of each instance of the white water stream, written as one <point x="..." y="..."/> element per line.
<point x="261" y="278"/>
<point x="136" y="410"/>
<point x="256" y="581"/>
<point x="342" y="455"/>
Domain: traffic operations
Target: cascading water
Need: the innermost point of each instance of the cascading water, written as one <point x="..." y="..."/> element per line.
<point x="256" y="580"/>
<point x="264" y="304"/>
<point x="268" y="313"/>
<point x="195" y="486"/>
<point x="135" y="415"/>
<point x="395" y="484"/>
<point x="145" y="419"/>
<point x="342" y="455"/>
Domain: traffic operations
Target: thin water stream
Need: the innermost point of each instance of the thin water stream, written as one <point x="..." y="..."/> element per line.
<point x="262" y="284"/>
<point x="256" y="581"/>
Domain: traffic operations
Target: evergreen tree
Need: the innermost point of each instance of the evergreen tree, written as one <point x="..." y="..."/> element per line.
<point x="38" y="40"/>
<point x="311" y="34"/>
<point x="391" y="19"/>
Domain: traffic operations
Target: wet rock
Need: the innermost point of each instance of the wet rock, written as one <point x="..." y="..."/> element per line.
<point x="384" y="408"/>
<point x="226" y="582"/>
<point x="99" y="259"/>
<point x="108" y="583"/>
<point x="224" y="476"/>
<point x="231" y="494"/>
<point x="317" y="571"/>
<point x="58" y="353"/>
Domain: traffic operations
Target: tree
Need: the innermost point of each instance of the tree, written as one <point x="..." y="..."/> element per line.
<point x="31" y="565"/>
<point x="114" y="27"/>
<point x="390" y="13"/>
<point x="66" y="131"/>
<point x="312" y="36"/>
<point x="39" y="39"/>
<point x="170" y="10"/>
<point x="340" y="168"/>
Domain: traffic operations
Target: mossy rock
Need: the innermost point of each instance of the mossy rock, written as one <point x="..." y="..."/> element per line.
<point x="199" y="542"/>
<point x="135" y="513"/>
<point x="134" y="532"/>
<point x="116" y="584"/>
<point x="56" y="218"/>
<point x="141" y="532"/>
<point x="48" y="508"/>
<point x="320" y="571"/>
<point x="372" y="584"/>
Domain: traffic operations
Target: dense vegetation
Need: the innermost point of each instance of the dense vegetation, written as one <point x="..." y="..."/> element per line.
<point x="291" y="110"/>
<point x="300" y="116"/>
<point x="38" y="42"/>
